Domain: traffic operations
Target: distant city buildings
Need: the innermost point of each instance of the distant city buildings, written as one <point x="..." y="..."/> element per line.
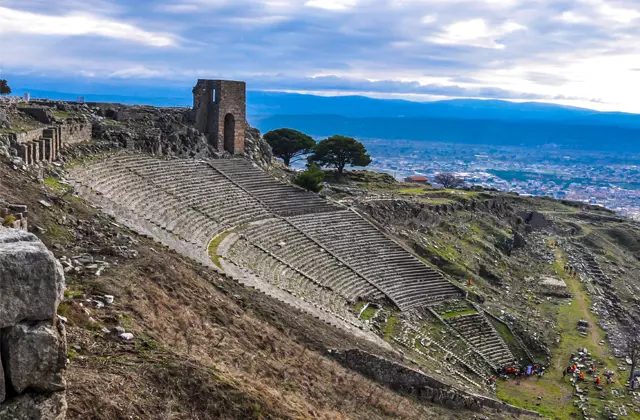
<point x="418" y="179"/>
<point x="588" y="177"/>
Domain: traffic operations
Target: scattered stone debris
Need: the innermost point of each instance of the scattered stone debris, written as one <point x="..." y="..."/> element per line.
<point x="126" y="336"/>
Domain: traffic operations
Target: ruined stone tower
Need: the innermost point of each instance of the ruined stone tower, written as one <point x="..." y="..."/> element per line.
<point x="220" y="110"/>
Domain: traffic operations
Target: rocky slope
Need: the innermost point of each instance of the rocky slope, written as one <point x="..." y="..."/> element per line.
<point x="150" y="129"/>
<point x="537" y="265"/>
<point x="153" y="335"/>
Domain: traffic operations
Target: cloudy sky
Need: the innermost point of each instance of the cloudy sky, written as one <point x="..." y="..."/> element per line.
<point x="574" y="52"/>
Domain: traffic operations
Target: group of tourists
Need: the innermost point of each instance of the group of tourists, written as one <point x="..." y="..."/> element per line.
<point x="531" y="370"/>
<point x="583" y="368"/>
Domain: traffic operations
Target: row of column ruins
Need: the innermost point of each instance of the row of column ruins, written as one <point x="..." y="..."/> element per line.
<point x="47" y="148"/>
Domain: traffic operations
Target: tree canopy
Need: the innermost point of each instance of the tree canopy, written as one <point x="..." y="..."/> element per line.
<point x="339" y="151"/>
<point x="4" y="87"/>
<point x="310" y="179"/>
<point x="448" y="180"/>
<point x="288" y="143"/>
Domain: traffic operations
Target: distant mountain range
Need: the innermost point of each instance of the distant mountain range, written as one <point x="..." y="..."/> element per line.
<point x="467" y="121"/>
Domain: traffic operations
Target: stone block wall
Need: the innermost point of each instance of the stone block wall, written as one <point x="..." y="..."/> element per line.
<point x="33" y="349"/>
<point x="28" y="136"/>
<point x="45" y="144"/>
<point x="420" y="386"/>
<point x="75" y="133"/>
<point x="42" y="114"/>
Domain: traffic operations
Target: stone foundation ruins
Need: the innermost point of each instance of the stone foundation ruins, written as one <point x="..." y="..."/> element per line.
<point x="417" y="384"/>
<point x="33" y="350"/>
<point x="45" y="144"/>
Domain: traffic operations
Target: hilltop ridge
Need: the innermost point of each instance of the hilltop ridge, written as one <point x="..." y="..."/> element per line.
<point x="274" y="302"/>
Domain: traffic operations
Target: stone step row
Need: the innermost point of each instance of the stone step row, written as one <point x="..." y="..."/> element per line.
<point x="201" y="186"/>
<point x="480" y="333"/>
<point x="402" y="277"/>
<point x="279" y="274"/>
<point x="247" y="278"/>
<point x="141" y="225"/>
<point x="280" y="238"/>
<point x="282" y="199"/>
<point x="150" y="204"/>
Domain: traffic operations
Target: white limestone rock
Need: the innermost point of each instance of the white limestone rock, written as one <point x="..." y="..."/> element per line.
<point x="35" y="355"/>
<point x="31" y="279"/>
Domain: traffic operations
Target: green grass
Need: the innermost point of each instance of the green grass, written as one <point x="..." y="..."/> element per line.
<point x="510" y="340"/>
<point x="215" y="243"/>
<point x="72" y="354"/>
<point x="468" y="311"/>
<point x="58" y="234"/>
<point x="358" y="307"/>
<point x="368" y="313"/>
<point x="72" y="294"/>
<point x="60" y="114"/>
<point x="8" y="220"/>
<point x="147" y="343"/>
<point x="56" y="186"/>
<point x="416" y="190"/>
<point x="94" y="326"/>
<point x="63" y="309"/>
<point x="556" y="392"/>
<point x="20" y="127"/>
<point x="391" y="327"/>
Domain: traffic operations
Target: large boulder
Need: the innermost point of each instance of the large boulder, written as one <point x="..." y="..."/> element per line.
<point x="518" y="240"/>
<point x="35" y="407"/>
<point x="34" y="355"/>
<point x="31" y="279"/>
<point x="535" y="220"/>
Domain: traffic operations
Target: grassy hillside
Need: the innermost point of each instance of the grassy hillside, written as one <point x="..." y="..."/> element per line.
<point x="469" y="235"/>
<point x="203" y="347"/>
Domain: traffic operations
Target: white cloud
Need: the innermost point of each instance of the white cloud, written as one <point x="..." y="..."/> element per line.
<point x="78" y="24"/>
<point x="573" y="48"/>
<point x="593" y="11"/>
<point x="138" y="72"/>
<point x="261" y="20"/>
<point x="618" y="14"/>
<point x="428" y="19"/>
<point x="178" y="8"/>
<point x="573" y="17"/>
<point x="475" y="33"/>
<point x="331" y="4"/>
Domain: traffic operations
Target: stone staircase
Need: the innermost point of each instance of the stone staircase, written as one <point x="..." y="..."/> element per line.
<point x="478" y="331"/>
